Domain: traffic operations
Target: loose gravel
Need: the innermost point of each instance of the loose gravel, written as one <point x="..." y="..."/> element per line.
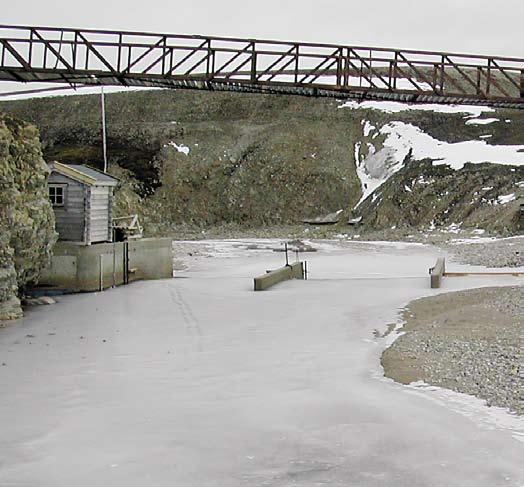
<point x="508" y="252"/>
<point x="469" y="341"/>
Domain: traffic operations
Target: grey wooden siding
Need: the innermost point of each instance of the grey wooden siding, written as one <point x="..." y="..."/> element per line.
<point x="98" y="215"/>
<point x="110" y="214"/>
<point x="70" y="218"/>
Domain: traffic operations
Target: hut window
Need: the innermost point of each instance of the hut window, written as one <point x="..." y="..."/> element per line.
<point x="57" y="195"/>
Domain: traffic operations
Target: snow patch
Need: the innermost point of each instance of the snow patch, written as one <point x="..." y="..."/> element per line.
<point x="368" y="128"/>
<point x="481" y="121"/>
<point x="507" y="198"/>
<point x="406" y="84"/>
<point x="452" y="228"/>
<point x="462" y="241"/>
<point x="375" y="169"/>
<point x="403" y="136"/>
<point x="184" y="149"/>
<point x="422" y="180"/>
<point x="403" y="139"/>
<point x="397" y="107"/>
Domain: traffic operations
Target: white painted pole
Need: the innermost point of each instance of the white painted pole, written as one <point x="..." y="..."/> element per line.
<point x="104" y="143"/>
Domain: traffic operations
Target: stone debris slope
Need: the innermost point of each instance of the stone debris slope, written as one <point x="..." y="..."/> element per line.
<point x="208" y="159"/>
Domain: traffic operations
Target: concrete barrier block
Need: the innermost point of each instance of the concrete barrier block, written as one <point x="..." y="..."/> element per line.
<point x="437" y="272"/>
<point x="270" y="278"/>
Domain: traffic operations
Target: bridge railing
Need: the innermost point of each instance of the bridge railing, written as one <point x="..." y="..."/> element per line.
<point x="76" y="56"/>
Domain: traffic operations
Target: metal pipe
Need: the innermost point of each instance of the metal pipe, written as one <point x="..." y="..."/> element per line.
<point x="103" y="114"/>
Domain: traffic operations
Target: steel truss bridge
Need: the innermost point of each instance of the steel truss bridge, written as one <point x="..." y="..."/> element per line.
<point x="79" y="57"/>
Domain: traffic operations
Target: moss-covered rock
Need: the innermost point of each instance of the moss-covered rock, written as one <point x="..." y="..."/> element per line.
<point x="27" y="224"/>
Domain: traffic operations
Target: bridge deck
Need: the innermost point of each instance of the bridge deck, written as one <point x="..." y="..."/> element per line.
<point x="95" y="57"/>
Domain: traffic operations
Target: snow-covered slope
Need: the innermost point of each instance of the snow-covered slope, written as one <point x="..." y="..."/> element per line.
<point x="384" y="150"/>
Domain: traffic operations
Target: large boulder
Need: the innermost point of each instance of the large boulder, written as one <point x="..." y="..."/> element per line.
<point x="27" y="224"/>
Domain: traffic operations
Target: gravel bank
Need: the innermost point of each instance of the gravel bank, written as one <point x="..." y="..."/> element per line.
<point x="468" y="341"/>
<point x="507" y="252"/>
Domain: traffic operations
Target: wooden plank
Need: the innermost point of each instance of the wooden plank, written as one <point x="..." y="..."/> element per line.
<point x="75" y="210"/>
<point x="98" y="190"/>
<point x="55" y="177"/>
<point x="69" y="218"/>
<point x="64" y="222"/>
<point x="72" y="224"/>
<point x="463" y="274"/>
<point x="100" y="236"/>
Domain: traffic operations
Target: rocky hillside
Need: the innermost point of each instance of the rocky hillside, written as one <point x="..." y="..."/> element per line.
<point x="206" y="159"/>
<point x="26" y="217"/>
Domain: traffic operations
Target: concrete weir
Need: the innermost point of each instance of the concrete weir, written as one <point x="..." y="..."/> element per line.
<point x="438" y="272"/>
<point x="270" y="278"/>
<point x="99" y="266"/>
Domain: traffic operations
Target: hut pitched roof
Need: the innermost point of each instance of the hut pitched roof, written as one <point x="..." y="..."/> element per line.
<point x="84" y="174"/>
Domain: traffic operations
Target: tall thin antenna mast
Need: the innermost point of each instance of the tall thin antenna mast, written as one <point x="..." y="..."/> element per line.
<point x="104" y="143"/>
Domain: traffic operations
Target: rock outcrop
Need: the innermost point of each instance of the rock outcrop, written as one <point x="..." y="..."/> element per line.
<point x="212" y="159"/>
<point x="422" y="195"/>
<point x="27" y="225"/>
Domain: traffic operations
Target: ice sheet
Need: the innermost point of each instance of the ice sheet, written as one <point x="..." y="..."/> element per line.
<point x="200" y="381"/>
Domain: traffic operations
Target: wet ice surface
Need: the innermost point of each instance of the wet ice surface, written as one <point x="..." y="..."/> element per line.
<point x="200" y="381"/>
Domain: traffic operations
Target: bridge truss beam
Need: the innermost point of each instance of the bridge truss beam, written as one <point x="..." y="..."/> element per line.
<point x="97" y="57"/>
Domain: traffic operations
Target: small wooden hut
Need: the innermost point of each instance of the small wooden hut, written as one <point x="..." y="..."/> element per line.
<point x="82" y="199"/>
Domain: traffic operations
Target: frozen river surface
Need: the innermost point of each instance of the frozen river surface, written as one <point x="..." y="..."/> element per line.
<point x="199" y="381"/>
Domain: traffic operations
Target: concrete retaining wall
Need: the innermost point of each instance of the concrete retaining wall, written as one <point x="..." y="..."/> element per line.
<point x="90" y="268"/>
<point x="292" y="271"/>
